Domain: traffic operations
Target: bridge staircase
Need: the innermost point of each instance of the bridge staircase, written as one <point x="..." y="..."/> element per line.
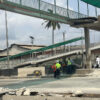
<point x="45" y="54"/>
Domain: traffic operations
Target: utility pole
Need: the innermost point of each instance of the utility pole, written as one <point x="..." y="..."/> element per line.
<point x="87" y="9"/>
<point x="55" y="5"/>
<point x="82" y="50"/>
<point x="39" y="4"/>
<point x="20" y="2"/>
<point x="7" y="44"/>
<point x="67" y="9"/>
<point x="32" y="42"/>
<point x="96" y="12"/>
<point x="64" y="39"/>
<point x="78" y="8"/>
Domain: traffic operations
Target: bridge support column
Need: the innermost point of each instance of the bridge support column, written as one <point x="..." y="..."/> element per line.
<point x="87" y="48"/>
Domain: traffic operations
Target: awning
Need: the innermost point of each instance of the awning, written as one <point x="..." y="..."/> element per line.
<point x="95" y="3"/>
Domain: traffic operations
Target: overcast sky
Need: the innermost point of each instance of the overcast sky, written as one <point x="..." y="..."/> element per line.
<point x="20" y="27"/>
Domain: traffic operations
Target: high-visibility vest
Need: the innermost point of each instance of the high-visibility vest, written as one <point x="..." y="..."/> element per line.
<point x="69" y="62"/>
<point x="54" y="67"/>
<point x="58" y="66"/>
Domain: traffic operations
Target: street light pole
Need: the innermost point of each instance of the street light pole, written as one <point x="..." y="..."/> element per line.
<point x="32" y="41"/>
<point x="7" y="44"/>
<point x="55" y="5"/>
<point x="78" y="8"/>
<point x="87" y="9"/>
<point x="64" y="39"/>
<point x="67" y="8"/>
<point x="96" y="12"/>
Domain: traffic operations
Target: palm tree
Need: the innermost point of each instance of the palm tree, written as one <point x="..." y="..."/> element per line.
<point x="53" y="24"/>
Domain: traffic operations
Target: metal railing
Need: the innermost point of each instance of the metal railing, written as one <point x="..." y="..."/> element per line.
<point x="44" y="6"/>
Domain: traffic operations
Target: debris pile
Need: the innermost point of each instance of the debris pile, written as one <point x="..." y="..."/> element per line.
<point x="95" y="73"/>
<point x="4" y="90"/>
<point x="32" y="92"/>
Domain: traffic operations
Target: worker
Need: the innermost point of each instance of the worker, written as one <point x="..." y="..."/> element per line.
<point x="97" y="62"/>
<point x="69" y="67"/>
<point x="64" y="65"/>
<point x="69" y="62"/>
<point x="58" y="67"/>
<point x="54" y="70"/>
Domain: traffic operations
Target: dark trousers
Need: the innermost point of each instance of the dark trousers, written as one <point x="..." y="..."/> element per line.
<point x="64" y="69"/>
<point x="58" y="73"/>
<point x="55" y="74"/>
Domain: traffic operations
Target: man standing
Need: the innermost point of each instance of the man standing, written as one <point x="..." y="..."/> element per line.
<point x="69" y="62"/>
<point x="58" y="67"/>
<point x="69" y="66"/>
<point x="98" y="62"/>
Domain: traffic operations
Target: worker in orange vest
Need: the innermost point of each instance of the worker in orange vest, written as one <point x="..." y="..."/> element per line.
<point x="54" y="70"/>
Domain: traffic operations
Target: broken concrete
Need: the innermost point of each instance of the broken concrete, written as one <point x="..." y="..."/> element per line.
<point x="9" y="97"/>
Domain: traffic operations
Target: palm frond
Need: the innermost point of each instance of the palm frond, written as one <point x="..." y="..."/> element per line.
<point x="58" y="25"/>
<point x="46" y="21"/>
<point x="51" y="23"/>
<point x="48" y="25"/>
<point x="50" y="11"/>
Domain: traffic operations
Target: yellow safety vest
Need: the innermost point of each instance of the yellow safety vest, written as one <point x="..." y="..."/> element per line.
<point x="69" y="62"/>
<point x="58" y="66"/>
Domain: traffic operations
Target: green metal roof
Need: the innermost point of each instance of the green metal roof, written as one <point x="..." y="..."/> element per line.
<point x="95" y="3"/>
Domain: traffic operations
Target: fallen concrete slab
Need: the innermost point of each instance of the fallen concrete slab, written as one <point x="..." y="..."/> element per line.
<point x="9" y="97"/>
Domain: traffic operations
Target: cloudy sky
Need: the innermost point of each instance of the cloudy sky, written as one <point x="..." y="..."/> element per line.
<point x="20" y="27"/>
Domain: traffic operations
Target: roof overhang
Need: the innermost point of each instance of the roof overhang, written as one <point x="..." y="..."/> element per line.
<point x="89" y="22"/>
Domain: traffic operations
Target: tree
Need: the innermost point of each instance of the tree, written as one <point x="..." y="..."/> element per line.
<point x="53" y="24"/>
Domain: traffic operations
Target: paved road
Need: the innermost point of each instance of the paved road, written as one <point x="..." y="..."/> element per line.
<point x="85" y="84"/>
<point x="63" y="85"/>
<point x="71" y="83"/>
<point x="56" y="85"/>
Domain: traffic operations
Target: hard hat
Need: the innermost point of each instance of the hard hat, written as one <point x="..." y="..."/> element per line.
<point x="57" y="61"/>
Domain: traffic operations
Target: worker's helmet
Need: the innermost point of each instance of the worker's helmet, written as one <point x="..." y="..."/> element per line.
<point x="57" y="61"/>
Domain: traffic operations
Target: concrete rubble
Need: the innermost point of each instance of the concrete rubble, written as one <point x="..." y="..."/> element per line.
<point x="27" y="92"/>
<point x="20" y="92"/>
<point x="68" y="92"/>
<point x="5" y="90"/>
<point x="77" y="93"/>
<point x="95" y="73"/>
<point x="32" y="92"/>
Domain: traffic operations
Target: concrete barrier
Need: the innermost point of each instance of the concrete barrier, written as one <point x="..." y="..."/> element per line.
<point x="8" y="72"/>
<point x="83" y="71"/>
<point x="24" y="72"/>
